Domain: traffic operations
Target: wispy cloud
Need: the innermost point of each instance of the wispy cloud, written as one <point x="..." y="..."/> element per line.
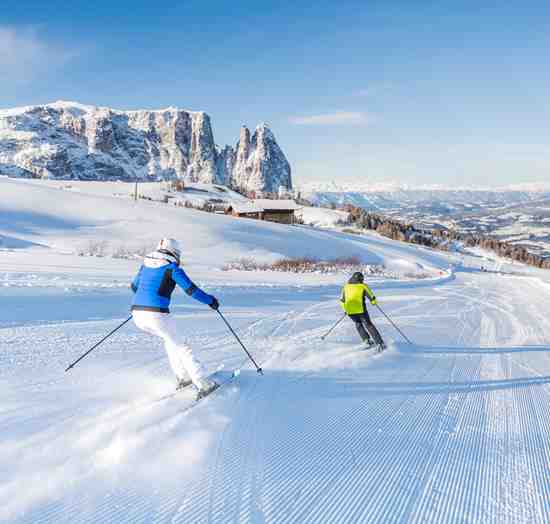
<point x="24" y="54"/>
<point x="338" y="118"/>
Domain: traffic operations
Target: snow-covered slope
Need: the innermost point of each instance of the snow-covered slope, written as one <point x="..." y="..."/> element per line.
<point x="450" y="429"/>
<point x="71" y="140"/>
<point x="66" y="221"/>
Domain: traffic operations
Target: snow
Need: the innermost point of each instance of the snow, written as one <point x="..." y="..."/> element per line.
<point x="451" y="429"/>
<point x="322" y="217"/>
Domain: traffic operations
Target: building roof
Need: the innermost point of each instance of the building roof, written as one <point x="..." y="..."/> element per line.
<point x="246" y="207"/>
<point x="262" y="205"/>
<point x="276" y="205"/>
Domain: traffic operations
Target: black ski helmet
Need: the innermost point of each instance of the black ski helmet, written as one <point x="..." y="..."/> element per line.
<point x="358" y="277"/>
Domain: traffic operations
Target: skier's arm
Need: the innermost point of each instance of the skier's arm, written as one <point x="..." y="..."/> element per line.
<point x="182" y="280"/>
<point x="343" y="298"/>
<point x="135" y="283"/>
<point x="370" y="294"/>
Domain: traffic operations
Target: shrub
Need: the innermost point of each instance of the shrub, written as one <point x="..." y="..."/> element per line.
<point x="94" y="248"/>
<point x="302" y="265"/>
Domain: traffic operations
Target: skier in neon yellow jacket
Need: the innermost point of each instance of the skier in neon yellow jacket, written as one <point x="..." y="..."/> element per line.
<point x="353" y="302"/>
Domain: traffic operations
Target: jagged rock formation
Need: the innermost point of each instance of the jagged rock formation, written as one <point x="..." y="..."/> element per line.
<point x="260" y="165"/>
<point x="70" y="140"/>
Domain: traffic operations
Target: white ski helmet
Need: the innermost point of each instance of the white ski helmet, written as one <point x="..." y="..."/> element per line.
<point x="170" y="245"/>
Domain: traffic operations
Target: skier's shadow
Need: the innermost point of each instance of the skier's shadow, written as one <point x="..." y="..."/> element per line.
<point x="413" y="349"/>
<point x="327" y="387"/>
<point x="425" y="388"/>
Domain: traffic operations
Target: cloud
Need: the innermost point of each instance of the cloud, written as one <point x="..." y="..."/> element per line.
<point x="25" y="55"/>
<point x="338" y="118"/>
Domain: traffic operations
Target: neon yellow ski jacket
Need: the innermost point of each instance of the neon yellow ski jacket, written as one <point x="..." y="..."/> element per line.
<point x="353" y="298"/>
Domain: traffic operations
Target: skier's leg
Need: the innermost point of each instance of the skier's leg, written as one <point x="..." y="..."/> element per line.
<point x="175" y="361"/>
<point x="374" y="333"/>
<point x="163" y="326"/>
<point x="184" y="359"/>
<point x="360" y="328"/>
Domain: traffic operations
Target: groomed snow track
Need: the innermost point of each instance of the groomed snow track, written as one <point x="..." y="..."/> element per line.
<point x="453" y="429"/>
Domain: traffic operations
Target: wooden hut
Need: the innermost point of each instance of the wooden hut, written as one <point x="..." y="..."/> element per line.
<point x="282" y="211"/>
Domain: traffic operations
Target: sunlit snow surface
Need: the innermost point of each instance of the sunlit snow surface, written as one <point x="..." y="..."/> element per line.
<point x="452" y="429"/>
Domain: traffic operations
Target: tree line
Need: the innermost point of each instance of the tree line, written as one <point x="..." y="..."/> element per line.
<point x="441" y="238"/>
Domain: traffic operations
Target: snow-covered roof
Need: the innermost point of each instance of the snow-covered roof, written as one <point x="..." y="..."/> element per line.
<point x="262" y="205"/>
<point x="280" y="205"/>
<point x="246" y="207"/>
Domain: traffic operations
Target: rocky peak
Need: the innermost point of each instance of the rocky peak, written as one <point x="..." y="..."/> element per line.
<point x="71" y="140"/>
<point x="260" y="165"/>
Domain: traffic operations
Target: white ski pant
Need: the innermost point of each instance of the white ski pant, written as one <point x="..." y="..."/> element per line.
<point x="163" y="325"/>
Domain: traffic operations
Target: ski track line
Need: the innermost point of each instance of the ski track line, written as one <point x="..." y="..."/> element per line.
<point x="421" y="437"/>
<point x="403" y="495"/>
<point x="333" y="424"/>
<point x="537" y="412"/>
<point x="452" y="468"/>
<point x="516" y="480"/>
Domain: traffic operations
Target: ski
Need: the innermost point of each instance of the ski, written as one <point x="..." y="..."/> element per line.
<point x="222" y="379"/>
<point x="220" y="376"/>
<point x="377" y="348"/>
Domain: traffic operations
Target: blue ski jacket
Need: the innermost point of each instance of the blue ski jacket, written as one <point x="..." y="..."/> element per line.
<point x="156" y="280"/>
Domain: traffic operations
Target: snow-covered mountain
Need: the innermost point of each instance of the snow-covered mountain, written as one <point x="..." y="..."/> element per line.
<point x="428" y="199"/>
<point x="71" y="140"/>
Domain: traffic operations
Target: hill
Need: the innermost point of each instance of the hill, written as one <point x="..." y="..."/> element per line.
<point x="448" y="429"/>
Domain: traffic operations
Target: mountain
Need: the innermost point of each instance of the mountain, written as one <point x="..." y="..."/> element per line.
<point x="436" y="200"/>
<point x="259" y="162"/>
<point x="75" y="141"/>
<point x="517" y="215"/>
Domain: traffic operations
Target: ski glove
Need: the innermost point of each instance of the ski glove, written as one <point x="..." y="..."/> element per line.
<point x="214" y="304"/>
<point x="373" y="301"/>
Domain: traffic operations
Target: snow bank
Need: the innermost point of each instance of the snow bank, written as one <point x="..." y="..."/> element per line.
<point x="322" y="217"/>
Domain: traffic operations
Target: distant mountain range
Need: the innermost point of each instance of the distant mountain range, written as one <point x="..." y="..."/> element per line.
<point x="427" y="200"/>
<point x="519" y="215"/>
<point x="75" y="141"/>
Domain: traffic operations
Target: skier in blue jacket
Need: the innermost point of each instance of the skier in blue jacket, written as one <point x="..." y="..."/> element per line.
<point x="153" y="287"/>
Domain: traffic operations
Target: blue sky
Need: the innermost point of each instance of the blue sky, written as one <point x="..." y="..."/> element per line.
<point x="414" y="92"/>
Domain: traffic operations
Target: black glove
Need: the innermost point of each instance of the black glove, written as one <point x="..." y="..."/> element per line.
<point x="214" y="304"/>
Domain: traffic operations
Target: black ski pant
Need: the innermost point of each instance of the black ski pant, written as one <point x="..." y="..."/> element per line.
<point x="365" y="327"/>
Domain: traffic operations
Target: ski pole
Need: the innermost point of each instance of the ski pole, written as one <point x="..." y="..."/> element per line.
<point x="100" y="342"/>
<point x="333" y="327"/>
<point x="258" y="368"/>
<point x="393" y="324"/>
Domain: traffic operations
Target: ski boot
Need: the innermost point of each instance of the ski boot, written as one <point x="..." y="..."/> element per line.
<point x="183" y="383"/>
<point x="368" y="343"/>
<point x="207" y="387"/>
<point x="381" y="347"/>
